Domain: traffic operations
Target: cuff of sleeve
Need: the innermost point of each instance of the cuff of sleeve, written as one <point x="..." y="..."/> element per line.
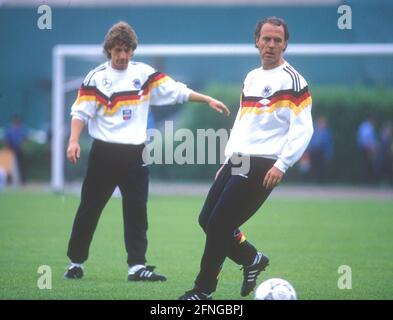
<point x="186" y="94"/>
<point x="81" y="118"/>
<point x="280" y="165"/>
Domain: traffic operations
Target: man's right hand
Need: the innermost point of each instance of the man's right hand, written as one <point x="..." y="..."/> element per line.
<point x="73" y="152"/>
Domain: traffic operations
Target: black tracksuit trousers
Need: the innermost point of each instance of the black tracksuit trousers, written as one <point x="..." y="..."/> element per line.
<point x="231" y="201"/>
<point x="112" y="165"/>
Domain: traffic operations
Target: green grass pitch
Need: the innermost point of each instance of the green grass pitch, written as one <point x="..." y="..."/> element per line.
<point x="307" y="241"/>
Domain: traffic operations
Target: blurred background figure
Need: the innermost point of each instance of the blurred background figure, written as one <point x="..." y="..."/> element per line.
<point x="15" y="136"/>
<point x="3" y="178"/>
<point x="368" y="145"/>
<point x="8" y="168"/>
<point x="320" y="149"/>
<point x="386" y="153"/>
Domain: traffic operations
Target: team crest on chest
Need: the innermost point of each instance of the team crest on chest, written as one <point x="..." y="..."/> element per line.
<point x="127" y="114"/>
<point x="136" y="83"/>
<point x="267" y="91"/>
<point x="107" y="83"/>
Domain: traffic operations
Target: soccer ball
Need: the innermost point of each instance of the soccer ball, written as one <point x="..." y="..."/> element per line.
<point x="275" y="289"/>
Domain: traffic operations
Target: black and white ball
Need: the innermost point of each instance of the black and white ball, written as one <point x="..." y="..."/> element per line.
<point x="275" y="289"/>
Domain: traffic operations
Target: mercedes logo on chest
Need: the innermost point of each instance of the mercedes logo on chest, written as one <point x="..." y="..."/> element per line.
<point x="107" y="83"/>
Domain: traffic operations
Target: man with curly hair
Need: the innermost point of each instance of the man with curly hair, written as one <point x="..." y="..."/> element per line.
<point x="114" y="101"/>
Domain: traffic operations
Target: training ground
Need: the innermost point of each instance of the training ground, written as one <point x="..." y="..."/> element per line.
<point x="333" y="243"/>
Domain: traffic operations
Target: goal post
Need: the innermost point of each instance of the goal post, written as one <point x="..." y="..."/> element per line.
<point x="61" y="52"/>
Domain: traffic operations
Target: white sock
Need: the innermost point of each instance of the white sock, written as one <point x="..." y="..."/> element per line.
<point x="79" y="265"/>
<point x="135" y="268"/>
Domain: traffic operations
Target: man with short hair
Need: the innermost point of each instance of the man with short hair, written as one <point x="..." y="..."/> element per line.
<point x="114" y="101"/>
<point x="272" y="129"/>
